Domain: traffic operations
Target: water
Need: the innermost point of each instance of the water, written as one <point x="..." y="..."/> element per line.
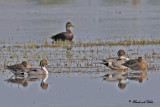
<point x="74" y="79"/>
<point x="39" y="19"/>
<point x="75" y="89"/>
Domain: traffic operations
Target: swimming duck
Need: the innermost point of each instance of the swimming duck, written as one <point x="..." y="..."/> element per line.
<point x="68" y="35"/>
<point x="34" y="71"/>
<point x="120" y="55"/>
<point x="136" y="64"/>
<point x="17" y="67"/>
<point x="116" y="63"/>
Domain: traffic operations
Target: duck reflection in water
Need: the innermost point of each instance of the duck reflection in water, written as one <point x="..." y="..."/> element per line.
<point x="25" y="81"/>
<point x="123" y="78"/>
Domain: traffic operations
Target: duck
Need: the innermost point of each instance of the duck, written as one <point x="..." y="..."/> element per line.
<point x="120" y="55"/>
<point x="116" y="63"/>
<point x="21" y="66"/>
<point x="136" y="64"/>
<point x="34" y="71"/>
<point x="68" y="35"/>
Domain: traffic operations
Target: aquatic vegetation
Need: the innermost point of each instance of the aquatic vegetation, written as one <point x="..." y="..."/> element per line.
<point x="69" y="45"/>
<point x="66" y="56"/>
<point x="12" y="56"/>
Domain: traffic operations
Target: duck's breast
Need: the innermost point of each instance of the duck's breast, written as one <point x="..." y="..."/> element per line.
<point x="69" y="36"/>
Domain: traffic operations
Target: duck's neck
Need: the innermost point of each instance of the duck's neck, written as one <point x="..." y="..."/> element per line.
<point x="123" y="57"/>
<point x="109" y="64"/>
<point x="110" y="76"/>
<point x="46" y="72"/>
<point x="44" y="80"/>
<point x="68" y="30"/>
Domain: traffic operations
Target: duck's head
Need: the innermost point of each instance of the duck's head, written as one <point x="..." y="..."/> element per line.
<point x="24" y="63"/>
<point x="120" y="53"/>
<point x="44" y="85"/>
<point x="69" y="24"/>
<point x="140" y="80"/>
<point x="122" y="85"/>
<point x="25" y="84"/>
<point x="140" y="59"/>
<point x="43" y="63"/>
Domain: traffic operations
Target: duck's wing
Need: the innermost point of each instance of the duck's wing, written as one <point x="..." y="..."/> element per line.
<point x="138" y="66"/>
<point x="131" y="62"/>
<point x="110" y="59"/>
<point x="117" y="64"/>
<point x="32" y="71"/>
<point x="15" y="67"/>
<point x="59" y="36"/>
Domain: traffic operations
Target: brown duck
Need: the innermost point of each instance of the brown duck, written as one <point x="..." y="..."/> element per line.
<point x="21" y="66"/>
<point x="136" y="64"/>
<point x="68" y="35"/>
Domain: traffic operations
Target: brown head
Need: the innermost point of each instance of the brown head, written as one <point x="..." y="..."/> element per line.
<point x="122" y="85"/>
<point x="24" y="63"/>
<point x="68" y="25"/>
<point x="43" y="63"/>
<point x="140" y="79"/>
<point x="25" y="84"/>
<point x="140" y="59"/>
<point x="120" y="53"/>
<point x="44" y="85"/>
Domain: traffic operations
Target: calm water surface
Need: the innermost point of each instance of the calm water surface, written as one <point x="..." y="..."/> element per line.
<point x="84" y="89"/>
<point x="23" y="20"/>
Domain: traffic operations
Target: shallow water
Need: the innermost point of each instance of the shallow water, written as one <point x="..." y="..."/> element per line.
<point x="75" y="79"/>
<point x="83" y="89"/>
<point x="23" y="20"/>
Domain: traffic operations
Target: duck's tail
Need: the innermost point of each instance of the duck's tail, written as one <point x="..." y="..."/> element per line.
<point x="52" y="37"/>
<point x="104" y="63"/>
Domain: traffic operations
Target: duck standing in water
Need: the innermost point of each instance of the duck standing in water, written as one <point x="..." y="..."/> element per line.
<point x="17" y="67"/>
<point x="68" y="35"/>
<point x="34" y="71"/>
<point x="136" y="64"/>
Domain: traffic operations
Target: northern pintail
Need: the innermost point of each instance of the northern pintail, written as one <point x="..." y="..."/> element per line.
<point x="116" y="63"/>
<point x="68" y="35"/>
<point x="136" y="64"/>
<point x="120" y="55"/>
<point x="34" y="71"/>
<point x="17" y="67"/>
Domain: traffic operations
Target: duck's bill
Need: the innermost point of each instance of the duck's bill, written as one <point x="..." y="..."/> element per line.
<point x="73" y="26"/>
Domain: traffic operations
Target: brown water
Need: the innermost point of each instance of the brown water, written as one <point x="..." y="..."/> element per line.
<point x="74" y="79"/>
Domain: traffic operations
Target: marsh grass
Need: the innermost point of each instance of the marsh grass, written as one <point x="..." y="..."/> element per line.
<point x="70" y="57"/>
<point x="98" y="42"/>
